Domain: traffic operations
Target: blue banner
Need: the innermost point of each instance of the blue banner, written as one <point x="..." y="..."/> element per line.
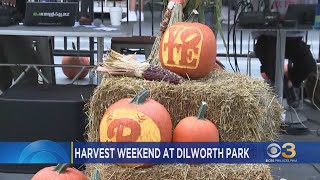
<point x="38" y="152"/>
<point x="49" y="152"/>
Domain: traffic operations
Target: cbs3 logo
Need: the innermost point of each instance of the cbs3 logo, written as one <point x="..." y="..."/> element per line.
<point x="287" y="150"/>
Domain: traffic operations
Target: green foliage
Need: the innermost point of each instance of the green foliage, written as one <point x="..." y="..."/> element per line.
<point x="201" y="6"/>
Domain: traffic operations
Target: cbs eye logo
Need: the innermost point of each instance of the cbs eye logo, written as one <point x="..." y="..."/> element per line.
<point x="43" y="151"/>
<point x="288" y="150"/>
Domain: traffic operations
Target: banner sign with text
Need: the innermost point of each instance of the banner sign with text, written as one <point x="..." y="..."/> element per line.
<point x="49" y="152"/>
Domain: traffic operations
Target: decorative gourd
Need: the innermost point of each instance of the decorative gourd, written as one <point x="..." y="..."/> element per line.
<point x="196" y="129"/>
<point x="188" y="49"/>
<point x="59" y="172"/>
<point x="71" y="72"/>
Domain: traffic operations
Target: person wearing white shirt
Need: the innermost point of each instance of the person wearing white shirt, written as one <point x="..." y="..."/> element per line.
<point x="297" y="51"/>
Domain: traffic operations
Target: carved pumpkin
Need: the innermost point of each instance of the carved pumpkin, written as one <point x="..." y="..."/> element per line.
<point x="188" y="49"/>
<point x="71" y="72"/>
<point x="196" y="129"/>
<point x="140" y="119"/>
<point x="59" y="172"/>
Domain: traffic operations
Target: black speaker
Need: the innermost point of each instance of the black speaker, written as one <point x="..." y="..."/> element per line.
<point x="44" y="112"/>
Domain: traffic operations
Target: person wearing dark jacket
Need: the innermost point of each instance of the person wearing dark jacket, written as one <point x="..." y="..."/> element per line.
<point x="297" y="51"/>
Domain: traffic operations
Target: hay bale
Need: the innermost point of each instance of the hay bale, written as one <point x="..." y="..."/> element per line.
<point x="243" y="109"/>
<point x="185" y="171"/>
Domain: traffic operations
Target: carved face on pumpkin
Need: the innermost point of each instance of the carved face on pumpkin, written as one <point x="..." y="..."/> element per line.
<point x="188" y="49"/>
<point x="139" y="119"/>
<point x="127" y="125"/>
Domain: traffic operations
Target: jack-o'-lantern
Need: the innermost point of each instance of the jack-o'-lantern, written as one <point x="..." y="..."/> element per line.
<point x="188" y="49"/>
<point x="140" y="119"/>
<point x="196" y="129"/>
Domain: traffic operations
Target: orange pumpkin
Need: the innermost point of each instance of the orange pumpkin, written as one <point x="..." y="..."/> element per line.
<point x="196" y="129"/>
<point x="188" y="49"/>
<point x="71" y="72"/>
<point x="59" y="172"/>
<point x="140" y="119"/>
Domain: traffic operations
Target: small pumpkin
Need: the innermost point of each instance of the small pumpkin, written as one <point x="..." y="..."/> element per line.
<point x="59" y="172"/>
<point x="188" y="49"/>
<point x="71" y="72"/>
<point x="196" y="129"/>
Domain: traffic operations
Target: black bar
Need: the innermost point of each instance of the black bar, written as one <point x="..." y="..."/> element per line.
<point x="53" y="43"/>
<point x="91" y="48"/>
<point x="78" y="43"/>
<point x="127" y="11"/>
<point x="102" y="11"/>
<point x="91" y="11"/>
<point x="231" y="55"/>
<point x="152" y="26"/>
<point x="228" y="38"/>
<point x="241" y="42"/>
<point x="84" y="53"/>
<point x="65" y="43"/>
<point x="307" y="33"/>
<point x="140" y="17"/>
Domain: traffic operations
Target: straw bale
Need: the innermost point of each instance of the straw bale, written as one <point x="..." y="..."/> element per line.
<point x="185" y="171"/>
<point x="243" y="108"/>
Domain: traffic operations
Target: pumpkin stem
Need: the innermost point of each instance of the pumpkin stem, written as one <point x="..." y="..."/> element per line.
<point x="96" y="175"/>
<point x="61" y="168"/>
<point x="202" y="110"/>
<point x="141" y="97"/>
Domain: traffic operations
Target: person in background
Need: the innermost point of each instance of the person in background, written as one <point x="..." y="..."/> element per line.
<point x="133" y="15"/>
<point x="296" y="51"/>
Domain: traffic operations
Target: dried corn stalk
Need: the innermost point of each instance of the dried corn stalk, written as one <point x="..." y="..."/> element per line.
<point x="115" y="64"/>
<point x="173" y="14"/>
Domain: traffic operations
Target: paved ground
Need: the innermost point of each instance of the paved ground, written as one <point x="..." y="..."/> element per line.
<point x="290" y="172"/>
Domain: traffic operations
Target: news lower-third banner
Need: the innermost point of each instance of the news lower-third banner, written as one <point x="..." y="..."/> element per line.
<point x="49" y="152"/>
